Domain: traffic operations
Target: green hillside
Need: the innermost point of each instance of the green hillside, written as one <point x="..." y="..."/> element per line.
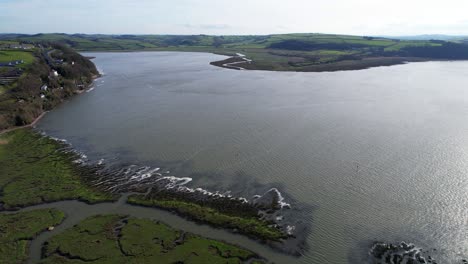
<point x="286" y="52"/>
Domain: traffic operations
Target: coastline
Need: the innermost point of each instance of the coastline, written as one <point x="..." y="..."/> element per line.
<point x="228" y="213"/>
<point x="120" y="207"/>
<point x="249" y="64"/>
<point x="38" y="118"/>
<point x="25" y="126"/>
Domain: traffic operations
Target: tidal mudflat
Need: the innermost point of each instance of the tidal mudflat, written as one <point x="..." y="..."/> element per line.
<point x="47" y="186"/>
<point x="361" y="157"/>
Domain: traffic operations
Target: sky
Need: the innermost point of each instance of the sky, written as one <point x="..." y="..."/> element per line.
<point x="235" y="17"/>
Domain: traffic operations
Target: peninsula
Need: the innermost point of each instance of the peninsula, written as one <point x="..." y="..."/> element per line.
<point x="284" y="52"/>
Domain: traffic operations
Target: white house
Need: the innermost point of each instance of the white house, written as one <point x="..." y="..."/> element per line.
<point x="55" y="73"/>
<point x="44" y="87"/>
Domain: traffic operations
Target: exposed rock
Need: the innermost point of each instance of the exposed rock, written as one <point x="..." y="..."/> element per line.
<point x="397" y="254"/>
<point x="272" y="199"/>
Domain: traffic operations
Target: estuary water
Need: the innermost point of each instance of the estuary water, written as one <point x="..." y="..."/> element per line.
<point x="370" y="155"/>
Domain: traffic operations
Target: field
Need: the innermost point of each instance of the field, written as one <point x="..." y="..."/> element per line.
<point x="287" y="52"/>
<point x="13" y="55"/>
<point x="17" y="230"/>
<point x="246" y="224"/>
<point x="7" y="56"/>
<point x="34" y="171"/>
<point x="118" y="239"/>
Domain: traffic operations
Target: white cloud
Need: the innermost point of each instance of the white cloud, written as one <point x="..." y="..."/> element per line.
<point x="361" y="17"/>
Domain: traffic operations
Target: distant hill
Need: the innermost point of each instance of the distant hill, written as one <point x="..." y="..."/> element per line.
<point x="284" y="52"/>
<point x="429" y="37"/>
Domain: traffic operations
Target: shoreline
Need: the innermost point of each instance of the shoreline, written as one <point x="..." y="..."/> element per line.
<point x="344" y="65"/>
<point x="230" y="214"/>
<point x="120" y="207"/>
<point x="38" y="118"/>
<point x="25" y="126"/>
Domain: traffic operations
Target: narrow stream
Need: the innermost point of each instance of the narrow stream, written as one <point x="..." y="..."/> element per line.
<point x="76" y="211"/>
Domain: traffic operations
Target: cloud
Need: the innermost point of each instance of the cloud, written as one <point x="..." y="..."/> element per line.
<point x="207" y="26"/>
<point x="359" y="17"/>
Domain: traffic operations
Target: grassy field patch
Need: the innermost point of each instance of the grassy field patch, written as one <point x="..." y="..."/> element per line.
<point x="17" y="230"/>
<point x="116" y="239"/>
<point x="34" y="170"/>
<point x="14" y="55"/>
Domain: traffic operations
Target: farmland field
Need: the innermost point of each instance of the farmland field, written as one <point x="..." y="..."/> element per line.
<point x="284" y="52"/>
<point x="14" y="55"/>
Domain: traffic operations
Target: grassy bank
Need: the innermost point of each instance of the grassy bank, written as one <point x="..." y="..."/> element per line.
<point x="34" y="170"/>
<point x="116" y="239"/>
<point x="231" y="218"/>
<point x="17" y="230"/>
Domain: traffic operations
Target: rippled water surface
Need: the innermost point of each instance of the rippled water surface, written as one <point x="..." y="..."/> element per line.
<point x="379" y="154"/>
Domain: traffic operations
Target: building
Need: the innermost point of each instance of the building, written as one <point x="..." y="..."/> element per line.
<point x="21" y="46"/>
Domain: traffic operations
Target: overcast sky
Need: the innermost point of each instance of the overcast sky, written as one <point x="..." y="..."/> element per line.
<point x="358" y="17"/>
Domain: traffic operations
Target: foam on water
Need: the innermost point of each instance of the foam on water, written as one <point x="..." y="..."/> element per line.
<point x="140" y="178"/>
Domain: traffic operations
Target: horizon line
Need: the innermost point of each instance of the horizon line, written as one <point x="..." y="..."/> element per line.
<point x="266" y="34"/>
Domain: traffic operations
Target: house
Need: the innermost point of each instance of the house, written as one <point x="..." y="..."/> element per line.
<point x="44" y="87"/>
<point x="55" y="73"/>
<point x="42" y="96"/>
<point x="27" y="46"/>
<point x="12" y="63"/>
<point x="21" y="46"/>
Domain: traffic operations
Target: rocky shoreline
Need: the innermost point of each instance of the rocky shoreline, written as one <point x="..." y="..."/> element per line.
<point x="152" y="187"/>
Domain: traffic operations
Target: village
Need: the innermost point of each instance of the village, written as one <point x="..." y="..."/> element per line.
<point x="15" y="57"/>
<point x="36" y="77"/>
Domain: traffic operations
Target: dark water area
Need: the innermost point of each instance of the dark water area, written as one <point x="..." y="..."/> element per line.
<point x="361" y="156"/>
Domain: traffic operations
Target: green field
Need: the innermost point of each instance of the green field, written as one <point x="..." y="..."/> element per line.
<point x="17" y="230"/>
<point x="116" y="239"/>
<point x="34" y="171"/>
<point x="286" y="52"/>
<point x="13" y="55"/>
